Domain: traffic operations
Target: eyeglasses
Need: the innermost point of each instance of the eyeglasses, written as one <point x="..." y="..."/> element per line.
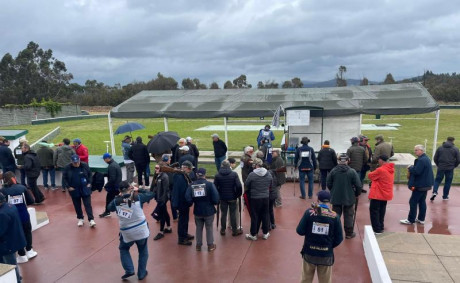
<point x="157" y="168"/>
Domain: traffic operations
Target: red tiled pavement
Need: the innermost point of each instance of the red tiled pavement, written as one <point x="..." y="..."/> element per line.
<point x="68" y="253"/>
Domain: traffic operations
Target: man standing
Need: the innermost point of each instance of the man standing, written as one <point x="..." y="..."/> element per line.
<point x="113" y="182"/>
<point x="381" y="148"/>
<point x="305" y="161"/>
<point x="323" y="232"/>
<point x="125" y="148"/>
<point x="265" y="136"/>
<point x="78" y="177"/>
<point x="186" y="155"/>
<point x="20" y="159"/>
<point x="81" y="150"/>
<point x="420" y="182"/>
<point x="193" y="149"/>
<point x="204" y="195"/>
<point x="364" y="143"/>
<point x="381" y="191"/>
<point x="32" y="168"/>
<point x="6" y="156"/>
<point x="181" y="182"/>
<point x="140" y="155"/>
<point x="345" y="187"/>
<point x="133" y="227"/>
<point x="358" y="156"/>
<point x="45" y="155"/>
<point x="246" y="162"/>
<point x="220" y="150"/>
<point x="327" y="159"/>
<point x="62" y="158"/>
<point x="277" y="164"/>
<point x="446" y="159"/>
<point x="229" y="187"/>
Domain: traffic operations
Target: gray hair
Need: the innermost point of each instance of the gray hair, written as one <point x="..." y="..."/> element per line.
<point x="246" y="149"/>
<point x="421" y="147"/>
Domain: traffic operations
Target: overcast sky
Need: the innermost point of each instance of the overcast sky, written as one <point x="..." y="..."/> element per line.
<point x="117" y="41"/>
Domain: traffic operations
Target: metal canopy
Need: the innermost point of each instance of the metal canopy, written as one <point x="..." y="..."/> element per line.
<point x="392" y="99"/>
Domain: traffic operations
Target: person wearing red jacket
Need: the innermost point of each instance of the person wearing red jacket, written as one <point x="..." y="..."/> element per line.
<point x="380" y="192"/>
<point x="81" y="150"/>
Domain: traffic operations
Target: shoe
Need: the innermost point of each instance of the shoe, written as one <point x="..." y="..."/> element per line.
<point x="159" y="236"/>
<point x="22" y="259"/>
<point x="363" y="191"/>
<point x="420" y="222"/>
<point x="310" y="197"/>
<point x="105" y="214"/>
<point x="350" y="236"/>
<point x="406" y="221"/>
<point x="301" y="197"/>
<point x="46" y="188"/>
<point x="433" y="196"/>
<point x="129" y="274"/>
<point x="167" y="231"/>
<point x="190" y="237"/>
<point x="378" y="233"/>
<point x="222" y="232"/>
<point x="92" y="224"/>
<point x="53" y="188"/>
<point x="80" y="222"/>
<point x="211" y="247"/>
<point x="198" y="248"/>
<point x="142" y="277"/>
<point x="445" y="198"/>
<point x="278" y="205"/>
<point x="175" y="220"/>
<point x="273" y="226"/>
<point x="31" y="254"/>
<point x="237" y="233"/>
<point x="185" y="243"/>
<point x="265" y="236"/>
<point x="251" y="237"/>
<point x="63" y="190"/>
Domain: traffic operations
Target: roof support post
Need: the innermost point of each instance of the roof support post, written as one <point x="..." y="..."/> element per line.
<point x="436" y="127"/>
<point x="112" y="142"/>
<point x="165" y="120"/>
<point x="226" y="134"/>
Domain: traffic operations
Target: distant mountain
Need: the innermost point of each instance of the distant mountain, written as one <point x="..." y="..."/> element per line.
<point x="332" y="83"/>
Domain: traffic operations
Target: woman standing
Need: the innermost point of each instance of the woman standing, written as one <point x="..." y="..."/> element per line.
<point x="160" y="188"/>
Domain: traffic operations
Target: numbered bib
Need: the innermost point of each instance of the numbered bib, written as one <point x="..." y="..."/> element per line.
<point x="320" y="228"/>
<point x="305" y="154"/>
<point x="18" y="151"/>
<point x="241" y="164"/>
<point x="199" y="190"/>
<point x="125" y="212"/>
<point x="15" y="199"/>
<point x="265" y="134"/>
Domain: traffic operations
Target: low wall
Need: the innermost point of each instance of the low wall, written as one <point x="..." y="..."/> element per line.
<point x="24" y="116"/>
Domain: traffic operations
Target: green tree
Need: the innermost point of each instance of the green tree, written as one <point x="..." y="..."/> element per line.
<point x="339" y="77"/>
<point x="188" y="84"/>
<point x="228" y="84"/>
<point x="260" y="84"/>
<point x="214" y="85"/>
<point x="287" y="84"/>
<point x="297" y="83"/>
<point x="241" y="82"/>
<point x="389" y="79"/>
<point x="364" y="81"/>
<point x="271" y="84"/>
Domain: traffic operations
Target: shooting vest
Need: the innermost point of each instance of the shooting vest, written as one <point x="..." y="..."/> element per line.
<point x="133" y="225"/>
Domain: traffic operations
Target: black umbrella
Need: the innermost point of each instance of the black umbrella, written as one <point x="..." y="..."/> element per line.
<point x="162" y="142"/>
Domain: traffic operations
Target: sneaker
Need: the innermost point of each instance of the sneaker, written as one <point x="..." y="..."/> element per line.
<point x="378" y="233"/>
<point x="350" y="236"/>
<point x="363" y="191"/>
<point x="63" y="189"/>
<point x="278" y="205"/>
<point x="167" y="231"/>
<point x="190" y="237"/>
<point x="301" y="197"/>
<point x="105" y="214"/>
<point x="30" y="254"/>
<point x="251" y="237"/>
<point x="22" y="259"/>
<point x="406" y="221"/>
<point x="265" y="236"/>
<point x="142" y="277"/>
<point x="310" y="197"/>
<point x="433" y="196"/>
<point x="419" y="221"/>
<point x="198" y="248"/>
<point x="92" y="224"/>
<point x="53" y="188"/>
<point x="222" y="232"/>
<point x="80" y="222"/>
<point x="159" y="236"/>
<point x="237" y="233"/>
<point x="185" y="243"/>
<point x="126" y="275"/>
<point x="273" y="226"/>
<point x="445" y="198"/>
<point x="211" y="247"/>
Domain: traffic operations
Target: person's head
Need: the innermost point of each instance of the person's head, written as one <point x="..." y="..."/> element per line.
<point x="157" y="169"/>
<point x="260" y="154"/>
<point x="379" y="138"/>
<point x="185" y="149"/>
<point x="182" y="142"/>
<point x="419" y="150"/>
<point x="25" y="147"/>
<point x="305" y="140"/>
<point x="383" y="159"/>
<point x="22" y="141"/>
<point x="187" y="166"/>
<point x="188" y="139"/>
<point x="451" y="139"/>
<point x="324" y="197"/>
<point x="107" y="157"/>
<point x="267" y="128"/>
<point x="127" y="139"/>
<point x="201" y="173"/>
<point x="225" y="164"/>
<point x="276" y="153"/>
<point x="125" y="187"/>
<point x="66" y="141"/>
<point x="77" y="142"/>
<point x="364" y="139"/>
<point x="75" y="160"/>
<point x="354" y="140"/>
<point x="232" y="162"/>
<point x="326" y="142"/>
<point x="2" y="139"/>
<point x="9" y="178"/>
<point x="257" y="163"/>
<point x="165" y="158"/>
<point x="343" y="158"/>
<point x="139" y="140"/>
<point x="249" y="150"/>
<point x="215" y="137"/>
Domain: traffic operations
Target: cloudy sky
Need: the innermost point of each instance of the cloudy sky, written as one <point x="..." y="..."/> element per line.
<point x="116" y="41"/>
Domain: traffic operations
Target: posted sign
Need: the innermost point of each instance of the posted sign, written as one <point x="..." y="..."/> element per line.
<point x="298" y="117"/>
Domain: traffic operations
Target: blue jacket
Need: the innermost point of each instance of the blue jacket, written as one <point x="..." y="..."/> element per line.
<point x="18" y="190"/>
<point x="178" y="193"/>
<point x="7" y="158"/>
<point x="12" y="236"/>
<point x="269" y="134"/>
<point x="204" y="205"/>
<point x="421" y="173"/>
<point x="309" y="161"/>
<point x="74" y="177"/>
<point x="125" y="148"/>
<point x="188" y="157"/>
<point x="228" y="184"/>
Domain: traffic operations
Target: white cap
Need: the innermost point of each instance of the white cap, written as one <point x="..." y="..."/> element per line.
<point x="188" y="139"/>
<point x="214" y="136"/>
<point x="184" y="148"/>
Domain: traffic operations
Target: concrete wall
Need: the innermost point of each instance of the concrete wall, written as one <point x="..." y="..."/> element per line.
<point x="24" y="116"/>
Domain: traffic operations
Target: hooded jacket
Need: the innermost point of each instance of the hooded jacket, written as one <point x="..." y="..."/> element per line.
<point x="45" y="154"/>
<point x="82" y="151"/>
<point x="32" y="164"/>
<point x="327" y="158"/>
<point x="258" y="183"/>
<point x="62" y="156"/>
<point x="344" y="184"/>
<point x="228" y="184"/>
<point x="382" y="182"/>
<point x="447" y="156"/>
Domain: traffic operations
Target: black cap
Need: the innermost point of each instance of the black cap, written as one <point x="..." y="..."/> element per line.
<point x="383" y="157"/>
<point x="324" y="196"/>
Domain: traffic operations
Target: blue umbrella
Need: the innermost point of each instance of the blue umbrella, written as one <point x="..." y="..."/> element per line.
<point x="129" y="127"/>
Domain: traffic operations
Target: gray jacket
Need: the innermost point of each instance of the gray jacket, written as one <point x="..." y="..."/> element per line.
<point x="447" y="156"/>
<point x="258" y="183"/>
<point x="62" y="156"/>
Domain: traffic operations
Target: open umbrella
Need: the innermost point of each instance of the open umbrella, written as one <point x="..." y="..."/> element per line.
<point x="129" y="127"/>
<point x="162" y="142"/>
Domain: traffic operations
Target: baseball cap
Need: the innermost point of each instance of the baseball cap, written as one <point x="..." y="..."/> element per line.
<point x="188" y="139"/>
<point x="324" y="196"/>
<point x="343" y="157"/>
<point x="201" y="172"/>
<point x="188" y="164"/>
<point x="126" y="137"/>
<point x="165" y="157"/>
<point x="214" y="136"/>
<point x="106" y="155"/>
<point x="75" y="158"/>
<point x="383" y="157"/>
<point x="184" y="148"/>
<point x="365" y="138"/>
<point x="77" y="140"/>
<point x="379" y="137"/>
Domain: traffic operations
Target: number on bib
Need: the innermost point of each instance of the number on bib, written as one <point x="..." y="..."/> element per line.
<point x="199" y="190"/>
<point x="125" y="212"/>
<point x="18" y="151"/>
<point x="265" y="134"/>
<point x="15" y="199"/>
<point x="305" y="154"/>
<point x="320" y="228"/>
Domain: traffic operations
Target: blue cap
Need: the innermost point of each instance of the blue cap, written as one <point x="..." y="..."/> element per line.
<point x="324" y="196"/>
<point x="165" y="158"/>
<point x="75" y="158"/>
<point x="106" y="155"/>
<point x="77" y="140"/>
<point x="201" y="172"/>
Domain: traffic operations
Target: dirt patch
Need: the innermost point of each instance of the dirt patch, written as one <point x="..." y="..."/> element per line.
<point x="97" y="109"/>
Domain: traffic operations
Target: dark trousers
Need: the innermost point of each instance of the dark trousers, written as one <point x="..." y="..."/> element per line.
<point x="87" y="203"/>
<point x="271" y="213"/>
<point x="173" y="212"/>
<point x="226" y="205"/>
<point x="27" y="228"/>
<point x="449" y="174"/>
<point x="259" y="214"/>
<point x="163" y="214"/>
<point x="362" y="174"/>
<point x="348" y="212"/>
<point x="109" y="198"/>
<point x="38" y="195"/>
<point x="377" y="209"/>
<point x="141" y="170"/>
<point x="324" y="173"/>
<point x="417" y="199"/>
<point x="23" y="177"/>
<point x="182" y="225"/>
<point x="11" y="259"/>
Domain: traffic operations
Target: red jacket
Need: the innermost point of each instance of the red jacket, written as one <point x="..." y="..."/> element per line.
<point x="382" y="182"/>
<point x="82" y="151"/>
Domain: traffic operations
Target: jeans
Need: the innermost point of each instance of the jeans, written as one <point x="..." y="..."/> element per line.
<point x="259" y="214"/>
<point x="127" y="261"/>
<point x="324" y="173"/>
<point x="27" y="228"/>
<point x="302" y="182"/>
<point x="447" y="182"/>
<point x="87" y="203"/>
<point x="182" y="225"/>
<point x="173" y="211"/>
<point x="108" y="199"/>
<point x="348" y="213"/>
<point x="377" y="209"/>
<point x="226" y="205"/>
<point x="23" y="177"/>
<point x="11" y="259"/>
<point x="38" y="195"/>
<point x="141" y="171"/>
<point x="130" y="172"/>
<point x="52" y="173"/>
<point x="201" y="221"/>
<point x="218" y="161"/>
<point x="418" y="198"/>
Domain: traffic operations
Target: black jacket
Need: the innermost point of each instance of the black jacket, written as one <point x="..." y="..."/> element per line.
<point x="228" y="184"/>
<point x="113" y="177"/>
<point x="193" y="150"/>
<point x="327" y="158"/>
<point x="7" y="159"/>
<point x="188" y="157"/>
<point x="139" y="154"/>
<point x="32" y="164"/>
<point x="74" y="177"/>
<point x="204" y="205"/>
<point x="12" y="236"/>
<point x="220" y="149"/>
<point x="160" y="188"/>
<point x="447" y="156"/>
